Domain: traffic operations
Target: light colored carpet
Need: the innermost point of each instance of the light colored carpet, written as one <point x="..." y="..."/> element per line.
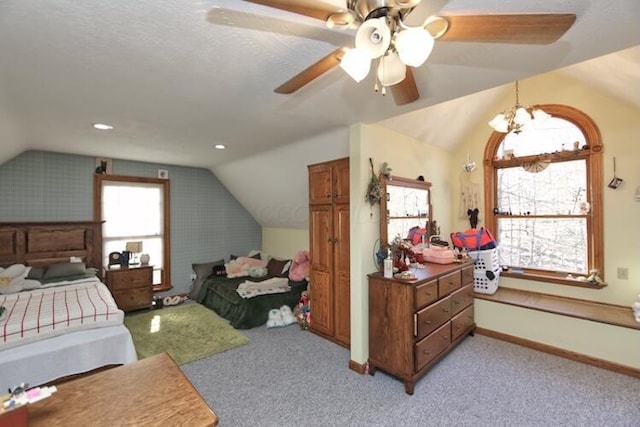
<point x="187" y="332"/>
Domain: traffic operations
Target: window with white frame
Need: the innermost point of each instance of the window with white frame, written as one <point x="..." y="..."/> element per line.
<point x="544" y="197"/>
<point x="135" y="210"/>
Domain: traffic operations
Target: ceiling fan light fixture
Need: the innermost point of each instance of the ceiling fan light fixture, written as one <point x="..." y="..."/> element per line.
<point x="391" y="70"/>
<point x="414" y="45"/>
<point x="356" y="63"/>
<point x="374" y="37"/>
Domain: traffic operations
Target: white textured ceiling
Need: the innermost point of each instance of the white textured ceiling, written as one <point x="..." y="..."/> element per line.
<point x="174" y="81"/>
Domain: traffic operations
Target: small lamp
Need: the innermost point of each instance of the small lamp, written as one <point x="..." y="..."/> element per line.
<point x="134" y="248"/>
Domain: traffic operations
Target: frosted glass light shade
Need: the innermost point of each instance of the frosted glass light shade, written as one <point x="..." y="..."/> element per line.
<point x="522" y="116"/>
<point x="540" y="116"/>
<point x="373" y="37"/>
<point x="414" y="45"/>
<point x="391" y="70"/>
<point x="499" y="123"/>
<point x="356" y="63"/>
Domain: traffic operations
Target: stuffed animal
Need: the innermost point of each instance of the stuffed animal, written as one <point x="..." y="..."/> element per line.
<point x="300" y="267"/>
<point x="473" y="217"/>
<point x="302" y="311"/>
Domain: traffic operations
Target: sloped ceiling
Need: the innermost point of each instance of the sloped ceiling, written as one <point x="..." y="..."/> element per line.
<point x="175" y="78"/>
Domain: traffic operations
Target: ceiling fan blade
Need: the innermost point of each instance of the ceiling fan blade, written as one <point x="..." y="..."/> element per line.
<point x="251" y="21"/>
<point x="314" y="9"/>
<point x="519" y="29"/>
<point x="311" y="73"/>
<point x="406" y="91"/>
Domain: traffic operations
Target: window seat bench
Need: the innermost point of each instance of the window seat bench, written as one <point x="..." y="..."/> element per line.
<point x="596" y="311"/>
<point x="599" y="334"/>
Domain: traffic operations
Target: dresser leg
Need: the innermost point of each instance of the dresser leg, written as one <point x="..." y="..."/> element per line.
<point x="408" y="387"/>
<point x="372" y="369"/>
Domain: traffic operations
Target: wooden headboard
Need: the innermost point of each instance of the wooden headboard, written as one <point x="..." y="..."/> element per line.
<point x="45" y="243"/>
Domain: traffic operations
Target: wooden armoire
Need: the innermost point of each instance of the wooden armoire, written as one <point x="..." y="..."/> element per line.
<point x="329" y="282"/>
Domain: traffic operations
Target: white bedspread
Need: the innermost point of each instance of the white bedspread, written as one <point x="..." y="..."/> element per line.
<point x="74" y="353"/>
<point x="275" y="285"/>
<point x="45" y="313"/>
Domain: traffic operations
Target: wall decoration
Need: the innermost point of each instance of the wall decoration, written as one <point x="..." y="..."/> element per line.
<point x="163" y="174"/>
<point x="104" y="166"/>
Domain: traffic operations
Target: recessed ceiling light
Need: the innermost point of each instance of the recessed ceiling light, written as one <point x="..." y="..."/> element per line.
<point x="102" y="126"/>
<point x="220" y="146"/>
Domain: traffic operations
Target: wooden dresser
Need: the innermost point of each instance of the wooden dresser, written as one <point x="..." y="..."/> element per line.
<point x="131" y="287"/>
<point x="413" y="324"/>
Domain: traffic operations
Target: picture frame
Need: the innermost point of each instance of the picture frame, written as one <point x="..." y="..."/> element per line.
<point x="163" y="174"/>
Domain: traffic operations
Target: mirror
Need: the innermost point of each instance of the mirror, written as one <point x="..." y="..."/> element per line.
<point x="405" y="204"/>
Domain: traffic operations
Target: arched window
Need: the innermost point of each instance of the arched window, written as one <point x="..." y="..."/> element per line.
<point x="543" y="197"/>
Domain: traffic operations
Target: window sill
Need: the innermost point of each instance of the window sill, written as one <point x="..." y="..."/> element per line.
<point x="162" y="288"/>
<point x="550" y="278"/>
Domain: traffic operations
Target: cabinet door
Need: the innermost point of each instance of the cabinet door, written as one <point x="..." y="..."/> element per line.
<point x="322" y="296"/>
<point x="341" y="181"/>
<point x="341" y="271"/>
<point x="320" y="182"/>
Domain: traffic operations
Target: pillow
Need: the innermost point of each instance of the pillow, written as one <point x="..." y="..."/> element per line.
<point x="63" y="270"/>
<point x="36" y="273"/>
<point x="257" y="271"/>
<point x="235" y="268"/>
<point x="16" y="270"/>
<point x="251" y="255"/>
<point x="202" y="270"/>
<point x="252" y="262"/>
<point x="263" y="255"/>
<point x="278" y="267"/>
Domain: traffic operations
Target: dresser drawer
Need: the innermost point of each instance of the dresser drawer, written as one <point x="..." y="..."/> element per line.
<point x="467" y="275"/>
<point x="427" y="349"/>
<point x="461" y="299"/>
<point x="130" y="278"/>
<point x="448" y="283"/>
<point x="461" y="322"/>
<point x="134" y="299"/>
<point x="426" y="293"/>
<point x="432" y="317"/>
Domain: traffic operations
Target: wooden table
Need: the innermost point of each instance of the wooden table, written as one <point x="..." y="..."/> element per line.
<point x="152" y="391"/>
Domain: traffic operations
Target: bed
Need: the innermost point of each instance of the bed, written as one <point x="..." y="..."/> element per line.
<point x="69" y="324"/>
<point x="219" y="293"/>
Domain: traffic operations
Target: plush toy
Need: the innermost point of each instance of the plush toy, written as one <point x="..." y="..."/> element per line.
<point x="473" y="217"/>
<point x="302" y="311"/>
<point x="300" y="267"/>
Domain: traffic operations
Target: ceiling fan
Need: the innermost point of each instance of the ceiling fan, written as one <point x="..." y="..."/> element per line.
<point x="384" y="35"/>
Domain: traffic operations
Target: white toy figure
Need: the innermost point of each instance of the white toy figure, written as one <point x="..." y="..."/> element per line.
<point x="287" y="315"/>
<point x="275" y="319"/>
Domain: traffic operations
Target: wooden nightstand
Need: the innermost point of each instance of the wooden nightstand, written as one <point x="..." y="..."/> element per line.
<point x="131" y="287"/>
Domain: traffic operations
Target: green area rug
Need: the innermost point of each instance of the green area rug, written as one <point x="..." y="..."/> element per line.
<point x="187" y="332"/>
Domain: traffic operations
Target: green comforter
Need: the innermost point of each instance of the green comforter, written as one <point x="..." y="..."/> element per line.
<point x="219" y="294"/>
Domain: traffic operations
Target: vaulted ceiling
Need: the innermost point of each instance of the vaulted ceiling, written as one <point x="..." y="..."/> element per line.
<point x="177" y="77"/>
<point x="174" y="78"/>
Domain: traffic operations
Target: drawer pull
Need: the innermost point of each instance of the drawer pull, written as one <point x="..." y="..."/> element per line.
<point x="427" y="322"/>
<point x="427" y="352"/>
<point x="445" y="310"/>
<point x="446" y="338"/>
<point x="456" y="302"/>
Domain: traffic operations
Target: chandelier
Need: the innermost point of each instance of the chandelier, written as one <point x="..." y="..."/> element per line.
<point x="516" y="117"/>
<point x="395" y="46"/>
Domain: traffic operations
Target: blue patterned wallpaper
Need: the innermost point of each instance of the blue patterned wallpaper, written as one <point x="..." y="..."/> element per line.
<point x="207" y="222"/>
